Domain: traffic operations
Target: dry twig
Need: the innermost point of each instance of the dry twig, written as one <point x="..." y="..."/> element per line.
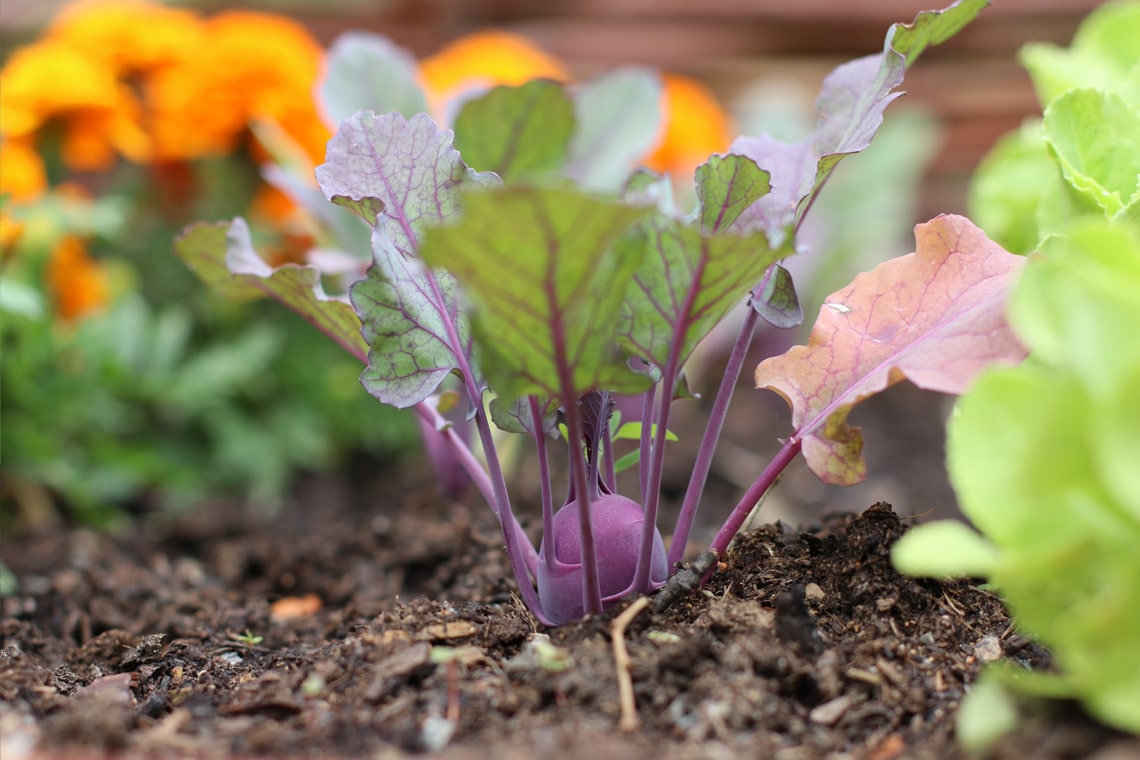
<point x="629" y="720"/>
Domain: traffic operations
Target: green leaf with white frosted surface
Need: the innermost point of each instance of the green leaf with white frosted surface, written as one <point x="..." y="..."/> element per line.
<point x="412" y="324"/>
<point x="404" y="170"/>
<point x="619" y="119"/>
<point x="517" y="132"/>
<point x="367" y="72"/>
<point x="1096" y="139"/>
<point x="546" y="285"/>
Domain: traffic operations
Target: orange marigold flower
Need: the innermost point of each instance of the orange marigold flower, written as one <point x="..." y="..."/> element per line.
<point x="21" y="169"/>
<point x="78" y="284"/>
<point x="10" y="233"/>
<point x="253" y="66"/>
<point x="52" y="81"/>
<point x="131" y="36"/>
<point x="695" y="127"/>
<point x="485" y="59"/>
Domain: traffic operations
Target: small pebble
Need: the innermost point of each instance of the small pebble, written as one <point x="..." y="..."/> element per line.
<point x="988" y="649"/>
<point x="829" y="713"/>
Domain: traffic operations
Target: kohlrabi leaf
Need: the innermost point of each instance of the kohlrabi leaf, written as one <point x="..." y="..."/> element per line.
<point x="405" y="170"/>
<point x="402" y="175"/>
<point x="367" y="72"/>
<point x="936" y="317"/>
<point x="648" y="188"/>
<point x="850" y="110"/>
<point x="224" y="258"/>
<point x="517" y="132"/>
<point x="546" y="283"/>
<point x="685" y="285"/>
<point x="515" y="416"/>
<point x="726" y="185"/>
<point x="1095" y="137"/>
<point x="619" y="118"/>
<point x="932" y="28"/>
<point x="1103" y="55"/>
<point x="792" y="171"/>
<point x="412" y="323"/>
<point x="202" y="248"/>
<point x="776" y="301"/>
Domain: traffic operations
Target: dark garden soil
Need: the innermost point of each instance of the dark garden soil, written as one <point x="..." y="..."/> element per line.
<point x="381" y="623"/>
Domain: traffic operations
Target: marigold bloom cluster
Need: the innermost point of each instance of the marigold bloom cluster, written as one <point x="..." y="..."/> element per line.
<point x="134" y="79"/>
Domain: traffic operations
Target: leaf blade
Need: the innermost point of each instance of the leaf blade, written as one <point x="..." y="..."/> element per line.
<point x="406" y="170"/>
<point x="545" y="289"/>
<point x="517" y="132"/>
<point x="412" y="324"/>
<point x="224" y="257"/>
<point x="368" y="72"/>
<point x="935" y="317"/>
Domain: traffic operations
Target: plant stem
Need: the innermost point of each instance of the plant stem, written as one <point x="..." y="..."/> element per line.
<point x="754" y="493"/>
<point x="584" y="491"/>
<point x="441" y="427"/>
<point x="608" y="450"/>
<point x="647" y="406"/>
<point x="669" y="375"/>
<point x="548" y="547"/>
<point x="711" y="436"/>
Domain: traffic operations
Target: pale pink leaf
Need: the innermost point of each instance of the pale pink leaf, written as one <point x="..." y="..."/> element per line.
<point x="935" y="317"/>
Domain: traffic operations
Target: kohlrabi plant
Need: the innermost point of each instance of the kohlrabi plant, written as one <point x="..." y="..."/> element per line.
<point x="1044" y="456"/>
<point x="526" y="272"/>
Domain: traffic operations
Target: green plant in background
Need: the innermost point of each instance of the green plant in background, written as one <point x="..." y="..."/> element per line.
<point x="140" y="403"/>
<point x="1044" y="456"/>
<point x="1083" y="156"/>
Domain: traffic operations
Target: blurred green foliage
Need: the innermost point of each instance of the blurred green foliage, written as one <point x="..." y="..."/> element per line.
<point x="147" y="402"/>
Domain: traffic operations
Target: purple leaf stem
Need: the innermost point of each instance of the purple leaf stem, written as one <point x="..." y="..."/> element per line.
<point x="520" y="552"/>
<point x="479" y="477"/>
<point x="754" y="493"/>
<point x="671" y="371"/>
<point x="435" y="423"/>
<point x="584" y="491"/>
<point x="716" y="419"/>
<point x="549" y="555"/>
<point x="608" y="451"/>
<point x="647" y="403"/>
